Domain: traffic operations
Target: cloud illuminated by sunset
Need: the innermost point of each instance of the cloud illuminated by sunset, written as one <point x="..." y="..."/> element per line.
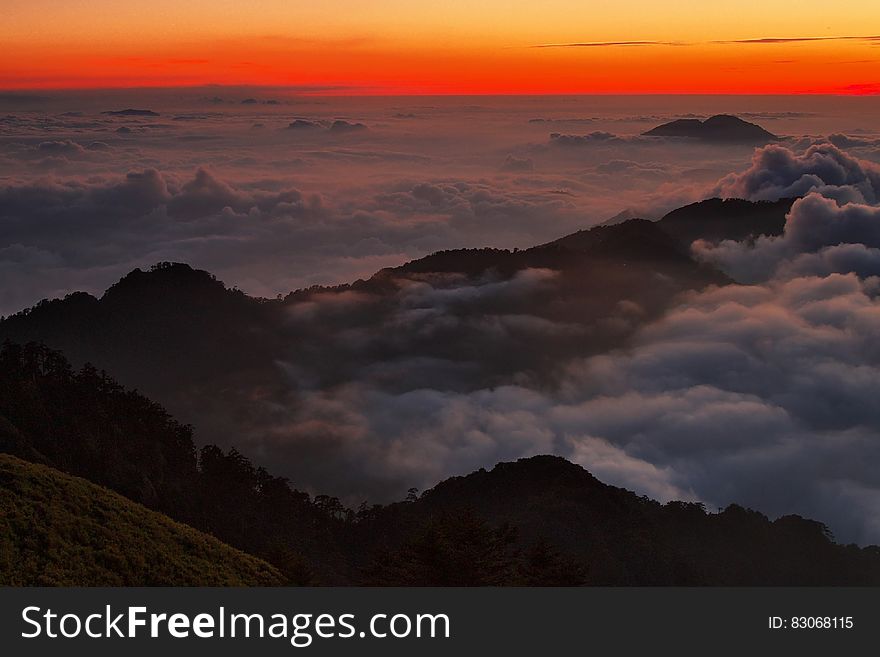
<point x="358" y="46"/>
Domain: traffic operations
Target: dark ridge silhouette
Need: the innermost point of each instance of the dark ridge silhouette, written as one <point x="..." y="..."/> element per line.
<point x="634" y="240"/>
<point x="718" y="128"/>
<point x="610" y="535"/>
<point x="132" y="112"/>
<point x="171" y="328"/>
<point x="59" y="530"/>
<point x="629" y="240"/>
<point x="591" y="276"/>
<point x="718" y="219"/>
<point x="538" y="521"/>
<point x="211" y="354"/>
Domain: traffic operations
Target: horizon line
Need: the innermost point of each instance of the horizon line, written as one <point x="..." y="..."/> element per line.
<point x="873" y="89"/>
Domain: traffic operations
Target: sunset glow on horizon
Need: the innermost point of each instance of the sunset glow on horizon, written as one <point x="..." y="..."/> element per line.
<point x="492" y="47"/>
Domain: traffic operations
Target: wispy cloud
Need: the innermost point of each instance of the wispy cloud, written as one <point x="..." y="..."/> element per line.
<point x="607" y="44"/>
<point x="773" y="40"/>
<point x="753" y="41"/>
<point x="867" y="88"/>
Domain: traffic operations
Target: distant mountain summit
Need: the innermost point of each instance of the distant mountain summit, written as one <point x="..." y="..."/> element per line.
<point x="718" y="128"/>
<point x="131" y="112"/>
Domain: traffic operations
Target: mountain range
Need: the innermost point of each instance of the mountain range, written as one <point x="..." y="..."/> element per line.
<point x="536" y="521"/>
<point x="205" y="353"/>
<point x="178" y="333"/>
<point x="236" y="366"/>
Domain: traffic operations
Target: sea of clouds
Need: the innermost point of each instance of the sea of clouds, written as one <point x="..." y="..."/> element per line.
<point x="230" y="186"/>
<point x="762" y="392"/>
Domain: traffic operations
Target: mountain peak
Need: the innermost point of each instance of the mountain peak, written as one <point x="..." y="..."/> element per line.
<point x="717" y="128"/>
<point x="165" y="279"/>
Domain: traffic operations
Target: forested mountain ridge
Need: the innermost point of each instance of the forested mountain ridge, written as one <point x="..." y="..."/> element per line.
<point x="538" y="521"/>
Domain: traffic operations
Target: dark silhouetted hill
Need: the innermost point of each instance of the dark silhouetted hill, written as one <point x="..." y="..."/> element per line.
<point x="718" y="128"/>
<point x="149" y="322"/>
<point x="718" y="219"/>
<point x="602" y="535"/>
<point x="173" y="332"/>
<point x="59" y="530"/>
<point x="633" y="241"/>
<point x="132" y="112"/>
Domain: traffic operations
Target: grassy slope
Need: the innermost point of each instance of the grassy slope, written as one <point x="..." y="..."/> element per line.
<point x="58" y="530"/>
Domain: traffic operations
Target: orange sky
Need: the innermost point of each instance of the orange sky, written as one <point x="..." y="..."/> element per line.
<point x="454" y="46"/>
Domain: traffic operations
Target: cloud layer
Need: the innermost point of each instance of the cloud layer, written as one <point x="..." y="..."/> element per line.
<point x="780" y="172"/>
<point x="833" y="227"/>
<point x="759" y="393"/>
